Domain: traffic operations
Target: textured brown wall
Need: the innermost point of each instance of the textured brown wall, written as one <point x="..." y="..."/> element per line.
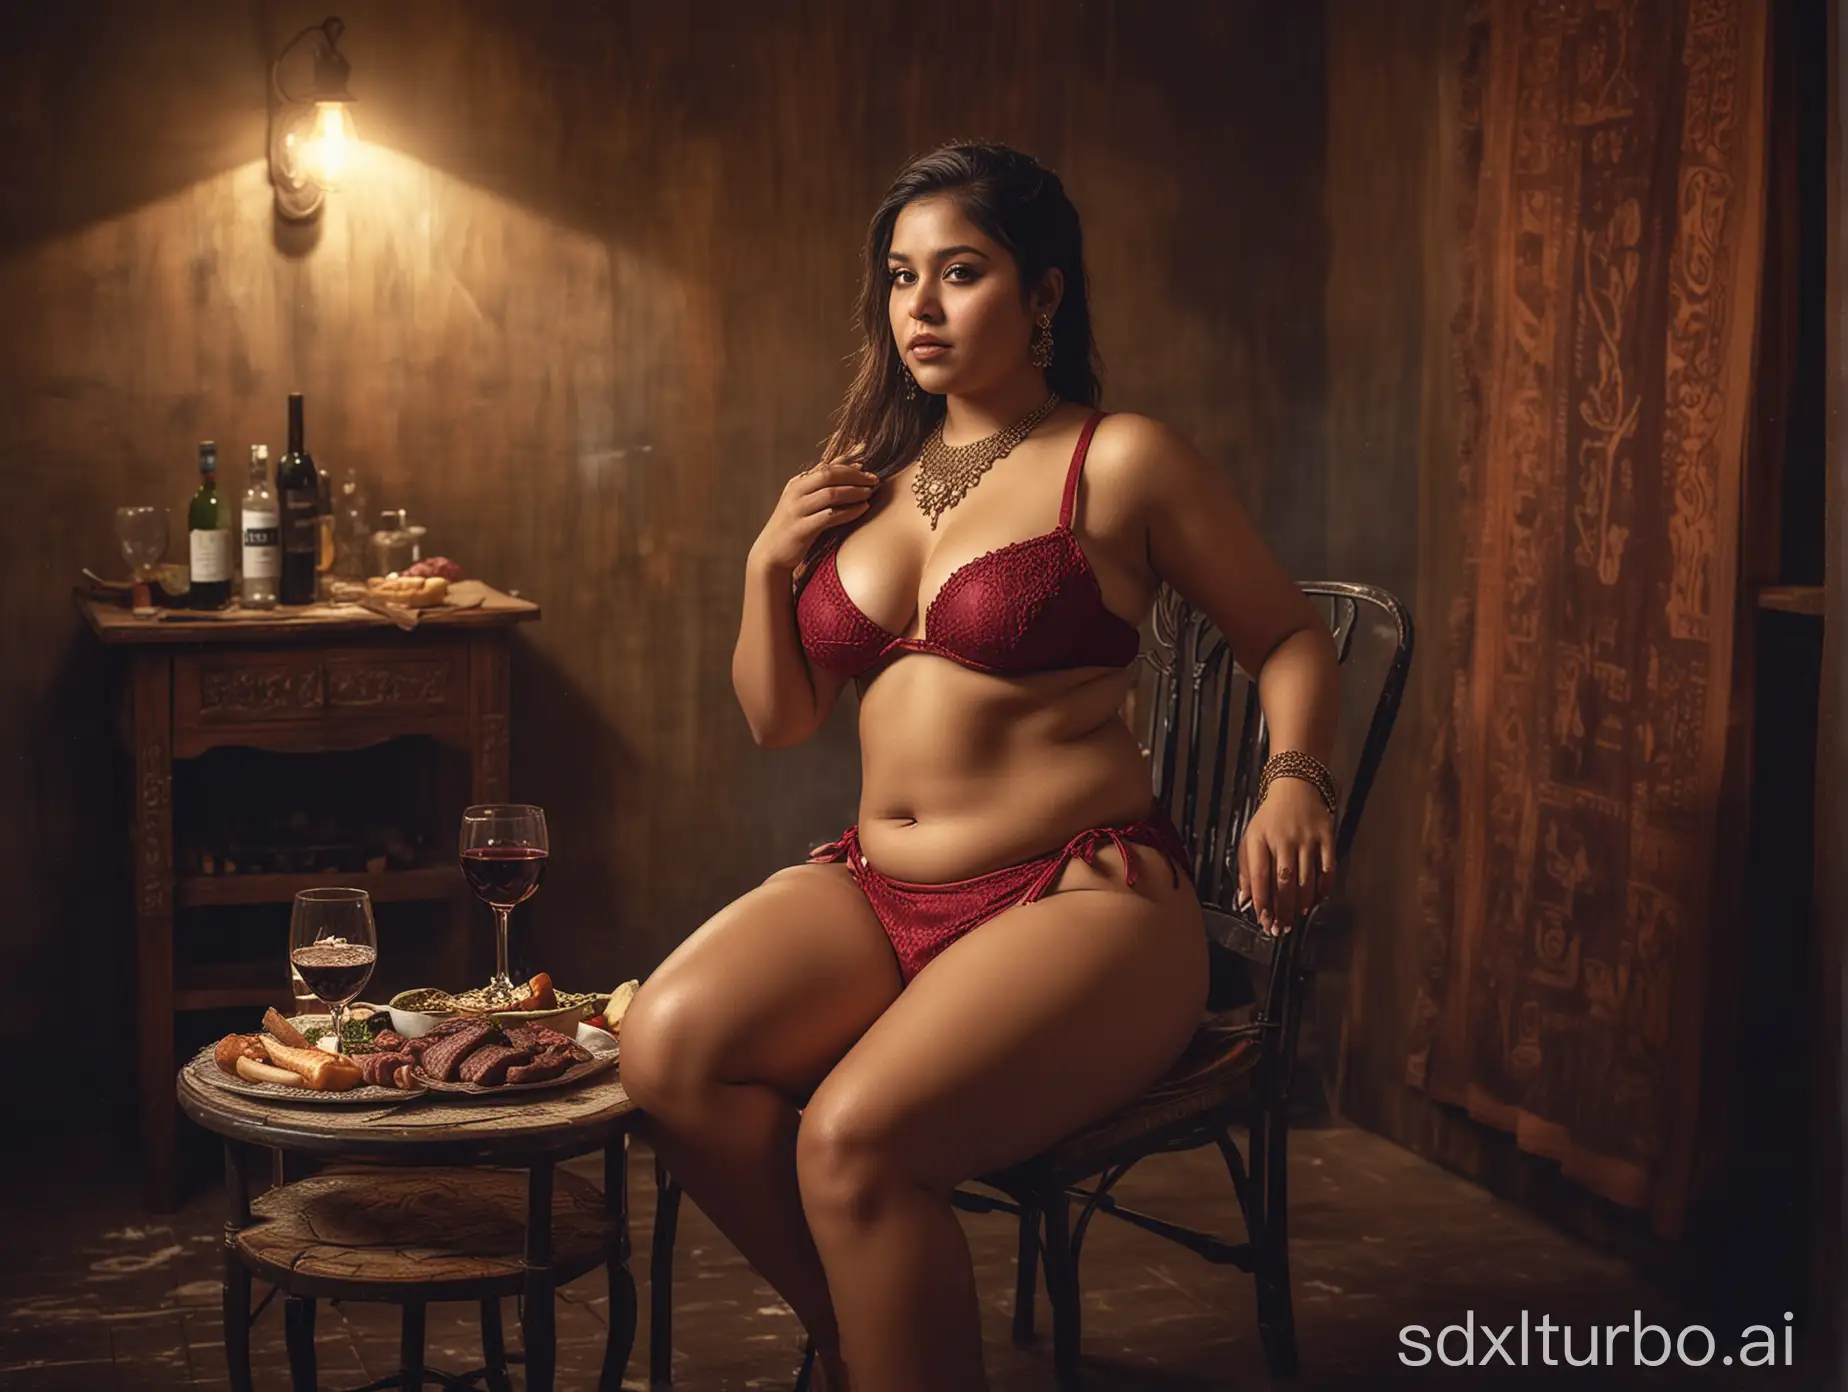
<point x="1392" y="286"/>
<point x="582" y="307"/>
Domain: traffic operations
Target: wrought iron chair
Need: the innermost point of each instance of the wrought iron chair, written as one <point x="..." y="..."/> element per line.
<point x="1207" y="740"/>
<point x="1205" y="734"/>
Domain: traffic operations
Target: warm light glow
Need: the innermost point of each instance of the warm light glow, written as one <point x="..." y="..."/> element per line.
<point x="331" y="143"/>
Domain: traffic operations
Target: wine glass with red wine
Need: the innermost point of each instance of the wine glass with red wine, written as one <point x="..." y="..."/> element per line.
<point x="504" y="852"/>
<point x="333" y="945"/>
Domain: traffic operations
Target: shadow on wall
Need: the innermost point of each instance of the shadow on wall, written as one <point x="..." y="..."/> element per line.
<point x="106" y="110"/>
<point x="571" y="924"/>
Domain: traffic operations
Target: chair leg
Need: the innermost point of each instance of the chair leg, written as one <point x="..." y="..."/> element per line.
<point x="411" y="1347"/>
<point x="1276" y="1312"/>
<point x="1061" y="1286"/>
<point x="494" y="1347"/>
<point x="661" y="1281"/>
<point x="622" y="1317"/>
<point x="1026" y="1274"/>
<point x="619" y="1338"/>
<point x="298" y="1334"/>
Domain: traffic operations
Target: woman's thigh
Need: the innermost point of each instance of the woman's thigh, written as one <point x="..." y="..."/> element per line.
<point x="774" y="988"/>
<point x="1046" y="1017"/>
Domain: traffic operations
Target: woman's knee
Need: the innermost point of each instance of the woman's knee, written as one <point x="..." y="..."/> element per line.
<point x="850" y="1159"/>
<point x="668" y="1045"/>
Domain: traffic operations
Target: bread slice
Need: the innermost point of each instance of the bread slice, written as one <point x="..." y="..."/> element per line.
<point x="412" y="591"/>
<point x="320" y="1071"/>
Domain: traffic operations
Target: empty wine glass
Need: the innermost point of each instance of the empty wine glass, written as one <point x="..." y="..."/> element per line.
<point x="333" y="945"/>
<point x="142" y="534"/>
<point x="504" y="850"/>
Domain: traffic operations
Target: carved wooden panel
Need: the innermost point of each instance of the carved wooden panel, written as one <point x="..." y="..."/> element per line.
<point x="237" y="687"/>
<point x="393" y="683"/>
<point x="245" y="691"/>
<point x="151" y="681"/>
<point x="153" y="826"/>
<point x="489" y="682"/>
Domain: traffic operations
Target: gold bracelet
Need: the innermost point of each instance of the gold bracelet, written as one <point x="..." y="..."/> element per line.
<point x="1293" y="763"/>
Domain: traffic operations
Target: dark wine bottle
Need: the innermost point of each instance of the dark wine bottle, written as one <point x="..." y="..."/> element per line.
<point x="208" y="528"/>
<point x="297" y="483"/>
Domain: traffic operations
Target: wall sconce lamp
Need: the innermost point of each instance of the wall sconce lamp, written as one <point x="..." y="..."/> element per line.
<point x="310" y="133"/>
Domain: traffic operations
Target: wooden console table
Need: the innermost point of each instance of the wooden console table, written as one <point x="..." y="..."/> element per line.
<point x="314" y="680"/>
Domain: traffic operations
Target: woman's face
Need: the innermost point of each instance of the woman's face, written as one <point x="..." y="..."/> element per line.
<point x="951" y="283"/>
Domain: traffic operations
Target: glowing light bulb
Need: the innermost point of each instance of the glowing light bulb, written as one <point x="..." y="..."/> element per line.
<point x="331" y="143"/>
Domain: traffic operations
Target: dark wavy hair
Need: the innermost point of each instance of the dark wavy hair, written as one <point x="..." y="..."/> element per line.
<point x="1020" y="204"/>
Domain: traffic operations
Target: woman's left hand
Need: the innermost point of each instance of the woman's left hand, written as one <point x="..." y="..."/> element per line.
<point x="1286" y="860"/>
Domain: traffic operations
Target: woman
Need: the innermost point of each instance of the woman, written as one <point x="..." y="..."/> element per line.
<point x="1006" y="945"/>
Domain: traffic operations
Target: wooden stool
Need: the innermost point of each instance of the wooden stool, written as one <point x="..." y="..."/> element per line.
<point x="412" y="1236"/>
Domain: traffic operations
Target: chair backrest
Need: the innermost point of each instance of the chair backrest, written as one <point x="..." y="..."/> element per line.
<point x="1200" y="723"/>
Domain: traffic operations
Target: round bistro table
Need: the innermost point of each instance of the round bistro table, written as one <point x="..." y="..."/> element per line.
<point x="438" y="1224"/>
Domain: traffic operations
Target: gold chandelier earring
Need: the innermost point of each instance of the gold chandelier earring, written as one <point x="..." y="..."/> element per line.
<point x="911" y="383"/>
<point x="1039" y="352"/>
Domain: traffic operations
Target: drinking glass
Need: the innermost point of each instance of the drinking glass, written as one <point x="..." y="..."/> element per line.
<point x="142" y="534"/>
<point x="504" y="850"/>
<point x="333" y="946"/>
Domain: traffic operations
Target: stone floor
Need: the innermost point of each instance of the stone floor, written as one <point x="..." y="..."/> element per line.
<point x="97" y="1296"/>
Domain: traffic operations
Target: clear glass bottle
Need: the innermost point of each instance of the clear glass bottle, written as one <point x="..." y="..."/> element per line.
<point x="352" y="528"/>
<point x="393" y="547"/>
<point x="262" y="535"/>
<point x="324" y="532"/>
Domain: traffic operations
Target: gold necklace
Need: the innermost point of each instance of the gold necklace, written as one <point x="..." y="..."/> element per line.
<point x="945" y="474"/>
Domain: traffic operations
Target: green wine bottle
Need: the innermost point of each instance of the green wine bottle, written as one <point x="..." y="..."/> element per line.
<point x="208" y="526"/>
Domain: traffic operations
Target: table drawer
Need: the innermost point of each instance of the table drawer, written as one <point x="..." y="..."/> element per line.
<point x="239" y="688"/>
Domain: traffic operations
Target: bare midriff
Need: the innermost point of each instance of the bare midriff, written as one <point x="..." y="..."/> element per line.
<point x="964" y="771"/>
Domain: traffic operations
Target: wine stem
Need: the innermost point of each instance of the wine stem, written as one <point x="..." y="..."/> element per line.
<point x="336" y="1015"/>
<point x="501" y="974"/>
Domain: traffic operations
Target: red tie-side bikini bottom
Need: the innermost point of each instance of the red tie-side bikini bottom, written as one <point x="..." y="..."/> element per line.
<point x="923" y="919"/>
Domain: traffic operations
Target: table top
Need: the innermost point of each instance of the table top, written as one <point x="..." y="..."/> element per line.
<point x="427" y="1128"/>
<point x="117" y="624"/>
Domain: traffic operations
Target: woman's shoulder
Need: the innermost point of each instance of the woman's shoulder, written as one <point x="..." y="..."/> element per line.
<point x="1139" y="457"/>
<point x="1129" y="435"/>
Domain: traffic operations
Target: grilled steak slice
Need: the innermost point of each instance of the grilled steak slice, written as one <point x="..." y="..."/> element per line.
<point x="540" y="1069"/>
<point x="443" y="1059"/>
<point x="546" y="1041"/>
<point x="380" y="1069"/>
<point x="436" y="1034"/>
<point x="389" y="1042"/>
<point x="488" y="1065"/>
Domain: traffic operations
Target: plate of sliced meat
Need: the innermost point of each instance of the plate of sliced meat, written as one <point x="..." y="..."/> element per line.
<point x="477" y="1058"/>
<point x="379" y="1080"/>
<point x="281" y="1064"/>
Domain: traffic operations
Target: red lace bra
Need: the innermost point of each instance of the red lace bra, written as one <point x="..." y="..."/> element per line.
<point x="1030" y="606"/>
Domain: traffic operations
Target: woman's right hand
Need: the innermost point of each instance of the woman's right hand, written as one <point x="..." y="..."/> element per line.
<point x="822" y="496"/>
